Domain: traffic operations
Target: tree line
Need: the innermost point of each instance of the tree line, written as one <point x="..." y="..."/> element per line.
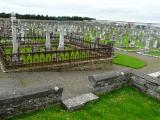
<point x="46" y="17"/>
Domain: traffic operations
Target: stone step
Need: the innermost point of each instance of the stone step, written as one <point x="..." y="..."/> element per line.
<point x="79" y="101"/>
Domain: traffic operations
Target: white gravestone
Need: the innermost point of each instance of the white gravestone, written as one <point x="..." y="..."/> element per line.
<point x="155" y="44"/>
<point x="22" y="33"/>
<point x="14" y="33"/>
<point x="61" y="39"/>
<point x="147" y="43"/>
<point x="48" y="38"/>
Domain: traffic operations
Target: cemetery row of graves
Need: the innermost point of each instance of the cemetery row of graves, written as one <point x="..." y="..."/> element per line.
<point x="47" y="46"/>
<point x="35" y="42"/>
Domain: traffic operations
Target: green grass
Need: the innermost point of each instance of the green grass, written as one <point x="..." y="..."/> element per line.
<point x="128" y="61"/>
<point x="123" y="104"/>
<point x="154" y="53"/>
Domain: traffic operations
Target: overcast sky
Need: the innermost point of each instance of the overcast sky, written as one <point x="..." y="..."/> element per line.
<point x="128" y="10"/>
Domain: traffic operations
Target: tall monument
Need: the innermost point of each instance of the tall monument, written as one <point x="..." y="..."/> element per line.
<point x="61" y="39"/>
<point x="14" y="33"/>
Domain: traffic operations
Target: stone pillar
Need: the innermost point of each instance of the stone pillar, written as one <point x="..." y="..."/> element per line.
<point x="48" y="39"/>
<point x="14" y="33"/>
<point x="61" y="39"/>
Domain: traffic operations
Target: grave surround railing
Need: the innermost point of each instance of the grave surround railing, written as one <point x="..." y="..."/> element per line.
<point x="85" y="50"/>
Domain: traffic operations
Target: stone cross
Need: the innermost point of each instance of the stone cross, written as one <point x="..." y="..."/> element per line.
<point x="14" y="33"/>
<point x="61" y="39"/>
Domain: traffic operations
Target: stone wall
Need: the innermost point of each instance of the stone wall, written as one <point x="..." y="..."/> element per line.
<point x="94" y="64"/>
<point x="106" y="82"/>
<point x="25" y="101"/>
<point x="146" y="84"/>
<point x="109" y="81"/>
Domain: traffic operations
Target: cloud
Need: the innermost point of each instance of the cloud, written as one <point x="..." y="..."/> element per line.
<point x="132" y="10"/>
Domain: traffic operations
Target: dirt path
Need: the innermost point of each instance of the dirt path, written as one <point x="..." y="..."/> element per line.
<point x="73" y="82"/>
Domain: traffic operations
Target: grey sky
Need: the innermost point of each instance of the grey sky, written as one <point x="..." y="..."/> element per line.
<point x="129" y="10"/>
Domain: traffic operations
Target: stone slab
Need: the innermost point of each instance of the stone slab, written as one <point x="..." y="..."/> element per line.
<point x="155" y="74"/>
<point x="79" y="101"/>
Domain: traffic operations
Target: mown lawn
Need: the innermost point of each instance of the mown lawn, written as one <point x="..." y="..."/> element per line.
<point x="154" y="53"/>
<point x="128" y="61"/>
<point x="123" y="104"/>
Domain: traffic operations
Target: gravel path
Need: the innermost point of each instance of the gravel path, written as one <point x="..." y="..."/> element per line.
<point x="73" y="82"/>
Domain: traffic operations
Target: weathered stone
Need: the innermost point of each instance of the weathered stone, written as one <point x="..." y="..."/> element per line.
<point x="109" y="81"/>
<point x="101" y="79"/>
<point x="153" y="94"/>
<point x="79" y="101"/>
<point x="18" y="101"/>
<point x="158" y="89"/>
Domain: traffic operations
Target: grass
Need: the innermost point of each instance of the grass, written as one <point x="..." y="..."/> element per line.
<point x="123" y="104"/>
<point x="154" y="53"/>
<point x="128" y="61"/>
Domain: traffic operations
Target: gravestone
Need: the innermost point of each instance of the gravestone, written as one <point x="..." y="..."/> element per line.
<point x="61" y="39"/>
<point x="14" y="33"/>
<point x="155" y="44"/>
<point x="22" y="33"/>
<point x="147" y="43"/>
<point x="120" y="40"/>
<point x="48" y="38"/>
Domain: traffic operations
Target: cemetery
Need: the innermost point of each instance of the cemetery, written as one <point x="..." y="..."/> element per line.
<point x="78" y="70"/>
<point x="50" y="43"/>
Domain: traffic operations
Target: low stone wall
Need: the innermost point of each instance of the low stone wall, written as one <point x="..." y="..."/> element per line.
<point x="94" y="64"/>
<point x="106" y="82"/>
<point x="146" y="84"/>
<point x="25" y="101"/>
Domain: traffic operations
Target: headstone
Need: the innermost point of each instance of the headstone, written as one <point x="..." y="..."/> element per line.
<point x="14" y="33"/>
<point x="22" y="33"/>
<point x="61" y="39"/>
<point x="120" y="40"/>
<point x="48" y="38"/>
<point x="147" y="43"/>
<point x="155" y="44"/>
